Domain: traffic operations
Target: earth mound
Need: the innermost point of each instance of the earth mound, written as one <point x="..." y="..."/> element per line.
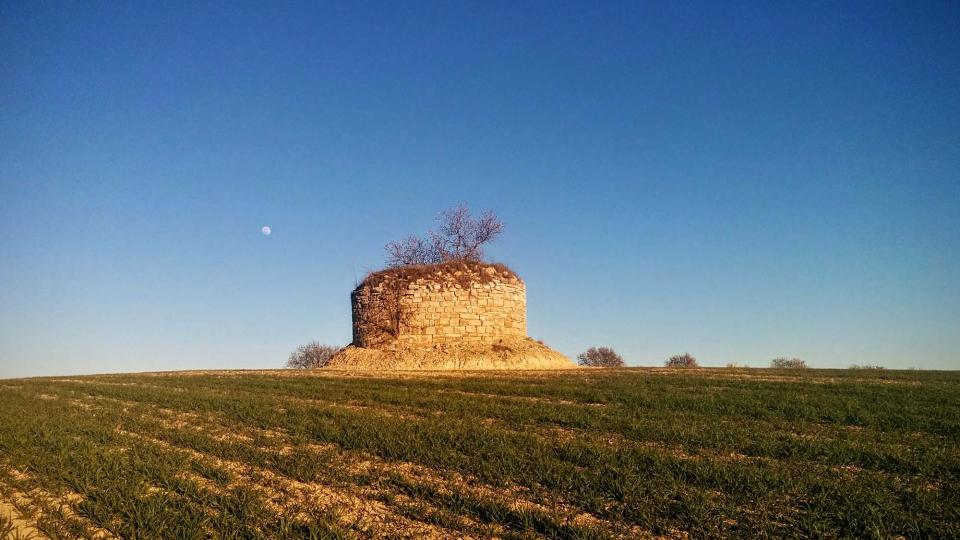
<point x="516" y="353"/>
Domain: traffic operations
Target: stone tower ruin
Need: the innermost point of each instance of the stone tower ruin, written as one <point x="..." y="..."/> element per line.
<point x="454" y="315"/>
<point x="441" y="305"/>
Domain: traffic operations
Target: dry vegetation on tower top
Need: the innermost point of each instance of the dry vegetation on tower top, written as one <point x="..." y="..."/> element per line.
<point x="464" y="272"/>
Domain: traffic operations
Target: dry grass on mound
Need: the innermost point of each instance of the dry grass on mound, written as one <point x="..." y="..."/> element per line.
<point x="508" y="354"/>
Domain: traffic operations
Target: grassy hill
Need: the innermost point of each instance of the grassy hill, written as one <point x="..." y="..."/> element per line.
<point x="586" y="454"/>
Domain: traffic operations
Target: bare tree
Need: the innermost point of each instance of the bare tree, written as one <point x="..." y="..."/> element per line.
<point x="411" y="250"/>
<point x="311" y="355"/>
<point x="600" y="357"/>
<point x="788" y="363"/>
<point x="459" y="237"/>
<point x="684" y="360"/>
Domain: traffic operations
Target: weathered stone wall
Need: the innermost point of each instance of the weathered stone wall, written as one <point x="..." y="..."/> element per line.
<point x="439" y="309"/>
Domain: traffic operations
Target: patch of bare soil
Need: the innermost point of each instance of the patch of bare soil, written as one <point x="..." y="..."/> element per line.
<point x="18" y="525"/>
<point x="24" y="504"/>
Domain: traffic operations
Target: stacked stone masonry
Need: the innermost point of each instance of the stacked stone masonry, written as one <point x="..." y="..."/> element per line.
<point x="439" y="310"/>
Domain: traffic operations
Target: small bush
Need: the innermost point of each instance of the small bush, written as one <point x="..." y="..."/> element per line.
<point x="684" y="360"/>
<point x="866" y="366"/>
<point x="600" y="357"/>
<point x="788" y="363"/>
<point x="312" y="355"/>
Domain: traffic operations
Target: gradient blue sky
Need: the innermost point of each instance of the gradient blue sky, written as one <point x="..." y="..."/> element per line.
<point x="739" y="180"/>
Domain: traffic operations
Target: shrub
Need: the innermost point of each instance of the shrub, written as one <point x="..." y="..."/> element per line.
<point x="866" y="366"/>
<point x="788" y="363"/>
<point x="312" y="355"/>
<point x="600" y="357"/>
<point x="684" y="360"/>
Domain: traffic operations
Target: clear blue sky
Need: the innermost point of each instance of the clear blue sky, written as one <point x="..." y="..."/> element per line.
<point x="736" y="180"/>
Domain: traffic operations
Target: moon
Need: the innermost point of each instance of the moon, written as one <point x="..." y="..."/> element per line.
<point x="266" y="230"/>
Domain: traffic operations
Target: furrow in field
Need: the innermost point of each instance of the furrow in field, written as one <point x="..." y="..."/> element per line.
<point x="701" y="454"/>
<point x="287" y="495"/>
<point x="611" y="439"/>
<point x="122" y="384"/>
<point x="800" y="377"/>
<point x="556" y="512"/>
<point x="395" y="411"/>
<point x="208" y="424"/>
<point x="531" y="399"/>
<point x="426" y="411"/>
<point x="340" y="463"/>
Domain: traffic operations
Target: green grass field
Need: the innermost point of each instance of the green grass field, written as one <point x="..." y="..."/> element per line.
<point x="632" y="453"/>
